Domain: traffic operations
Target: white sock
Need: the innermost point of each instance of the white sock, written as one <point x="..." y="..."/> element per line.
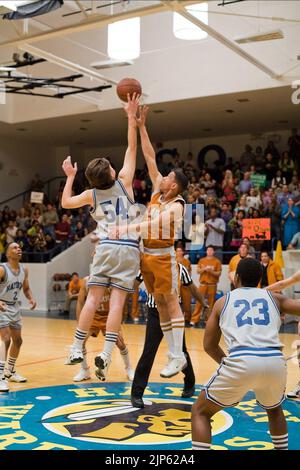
<point x="125" y="357"/>
<point x="178" y="331"/>
<point x="110" y="342"/>
<point x="280" y="442"/>
<point x="11" y="364"/>
<point x="80" y="336"/>
<point x="2" y="365"/>
<point x="84" y="364"/>
<point x="166" y="328"/>
<point x="200" y="445"/>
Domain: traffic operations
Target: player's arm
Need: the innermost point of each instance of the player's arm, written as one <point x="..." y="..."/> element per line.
<point x="173" y="213"/>
<point x="212" y="333"/>
<point x="126" y="174"/>
<point x="148" y="150"/>
<point x="72" y="202"/>
<point x="287" y="305"/>
<point x="81" y="299"/>
<point x="285" y="283"/>
<point x="27" y="291"/>
<point x="196" y="294"/>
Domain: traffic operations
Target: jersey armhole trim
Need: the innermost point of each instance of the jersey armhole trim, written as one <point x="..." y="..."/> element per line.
<point x="274" y="302"/>
<point x="225" y="304"/>
<point x="93" y="208"/>
<point x="125" y="191"/>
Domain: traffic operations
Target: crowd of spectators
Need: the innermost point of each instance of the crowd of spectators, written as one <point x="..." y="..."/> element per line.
<point x="261" y="183"/>
<point x="43" y="230"/>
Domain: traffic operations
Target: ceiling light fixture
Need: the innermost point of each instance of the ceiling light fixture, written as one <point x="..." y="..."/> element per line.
<point x="124" y="39"/>
<point x="184" y="29"/>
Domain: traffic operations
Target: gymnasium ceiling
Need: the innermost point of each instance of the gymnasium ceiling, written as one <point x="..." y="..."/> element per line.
<point x="193" y="82"/>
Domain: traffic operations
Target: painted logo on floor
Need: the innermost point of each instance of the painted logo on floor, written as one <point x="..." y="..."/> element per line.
<point x="97" y="416"/>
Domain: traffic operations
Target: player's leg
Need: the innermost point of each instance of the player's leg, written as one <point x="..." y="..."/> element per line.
<point x="153" y="338"/>
<point x="113" y="325"/>
<point x="13" y="354"/>
<point x="135" y="305"/>
<point x="4" y="346"/>
<point x="202" y="412"/>
<point x="278" y="428"/>
<point x="94" y="297"/>
<point x="84" y="373"/>
<point x="296" y="392"/>
<point x="121" y="345"/>
<point x="189" y="375"/>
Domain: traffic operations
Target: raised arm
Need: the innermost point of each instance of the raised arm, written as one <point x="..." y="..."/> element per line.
<point x="73" y="202"/>
<point x="126" y="174"/>
<point x="148" y="150"/>
<point x="285" y="283"/>
<point x="27" y="291"/>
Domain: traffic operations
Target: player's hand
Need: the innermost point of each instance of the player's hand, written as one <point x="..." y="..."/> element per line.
<point x="141" y="118"/>
<point x="132" y="105"/>
<point x="68" y="168"/>
<point x="2" y="306"/>
<point x="32" y="303"/>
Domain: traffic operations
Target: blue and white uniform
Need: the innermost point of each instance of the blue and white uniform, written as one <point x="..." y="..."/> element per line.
<point x="250" y="322"/>
<point x="116" y="262"/>
<point x="10" y="289"/>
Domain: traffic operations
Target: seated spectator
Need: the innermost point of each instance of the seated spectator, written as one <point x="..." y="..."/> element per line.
<point x="251" y="249"/>
<point x="254" y="199"/>
<point x="278" y="181"/>
<point x="247" y="159"/>
<point x="273" y="211"/>
<point x="271" y="271"/>
<point x="245" y="184"/>
<point x="295" y="242"/>
<point x="11" y="232"/>
<point x="294" y="185"/>
<point x="37" y="216"/>
<point x="50" y="242"/>
<point x="270" y="167"/>
<point x="63" y="229"/>
<point x="79" y="232"/>
<point x="73" y="291"/>
<point x="23" y="220"/>
<point x="22" y="240"/>
<point x="284" y="196"/>
<point x="209" y="184"/>
<point x="50" y="219"/>
<point x="290" y="218"/>
<point x="287" y="166"/>
<point x="242" y="205"/>
<point x="236" y="226"/>
<point x="228" y="187"/>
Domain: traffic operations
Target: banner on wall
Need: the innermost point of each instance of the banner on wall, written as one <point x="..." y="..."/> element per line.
<point x="36" y="197"/>
<point x="257" y="229"/>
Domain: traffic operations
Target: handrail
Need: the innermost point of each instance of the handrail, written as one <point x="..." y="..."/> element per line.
<point x="30" y="190"/>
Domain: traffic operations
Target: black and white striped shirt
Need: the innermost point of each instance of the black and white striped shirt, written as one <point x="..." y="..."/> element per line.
<point x="185" y="280"/>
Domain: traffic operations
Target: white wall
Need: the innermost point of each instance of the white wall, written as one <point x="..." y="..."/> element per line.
<point x="20" y="162"/>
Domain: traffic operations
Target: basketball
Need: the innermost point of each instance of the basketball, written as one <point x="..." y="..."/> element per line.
<point x="128" y="85"/>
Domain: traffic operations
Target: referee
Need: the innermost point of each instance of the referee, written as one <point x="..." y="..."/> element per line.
<point x="153" y="339"/>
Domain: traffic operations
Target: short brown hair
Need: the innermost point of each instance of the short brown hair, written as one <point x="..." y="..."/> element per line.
<point x="98" y="174"/>
<point x="181" y="180"/>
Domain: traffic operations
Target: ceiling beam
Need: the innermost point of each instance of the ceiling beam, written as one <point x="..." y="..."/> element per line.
<point x="90" y="24"/>
<point x="179" y="8"/>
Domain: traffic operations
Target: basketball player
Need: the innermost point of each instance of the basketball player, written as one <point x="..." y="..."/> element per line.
<point x="249" y="319"/>
<point x="153" y="339"/>
<point x="13" y="278"/>
<point x="276" y="287"/>
<point x="115" y="263"/>
<point x="158" y="263"/>
<point x="99" y="324"/>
